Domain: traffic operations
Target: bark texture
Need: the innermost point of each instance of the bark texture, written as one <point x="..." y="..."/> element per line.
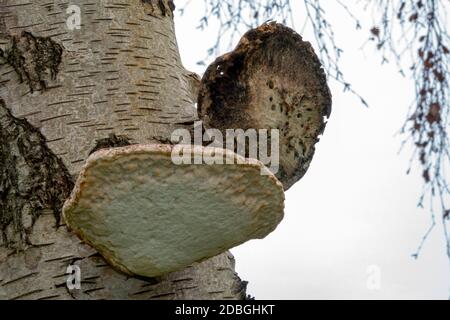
<point x="32" y="178"/>
<point x="118" y="79"/>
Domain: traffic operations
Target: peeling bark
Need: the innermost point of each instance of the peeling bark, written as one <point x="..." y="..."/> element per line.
<point x="32" y="178"/>
<point x="34" y="59"/>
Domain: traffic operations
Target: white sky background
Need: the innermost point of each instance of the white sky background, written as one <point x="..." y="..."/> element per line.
<point x="356" y="207"/>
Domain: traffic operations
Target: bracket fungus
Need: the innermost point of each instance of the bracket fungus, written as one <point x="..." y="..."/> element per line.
<point x="272" y="80"/>
<point x="148" y="216"/>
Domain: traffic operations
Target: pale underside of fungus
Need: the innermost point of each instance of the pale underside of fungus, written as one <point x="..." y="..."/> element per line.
<point x="148" y="216"/>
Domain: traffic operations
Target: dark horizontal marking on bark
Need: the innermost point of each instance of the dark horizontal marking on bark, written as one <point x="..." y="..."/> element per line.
<point x="86" y="76"/>
<point x="95" y="255"/>
<point x="20" y="278"/>
<point x="55" y="140"/>
<point x="144" y="85"/>
<point x="49" y="29"/>
<point x="27" y="294"/>
<point x="225" y="269"/>
<point x="23" y="116"/>
<point x="18" y="5"/>
<point x="217" y="292"/>
<point x="61" y="285"/>
<point x="120" y="35"/>
<point x="59" y="258"/>
<point x="146" y="285"/>
<point x="182" y="280"/>
<point x="118" y="6"/>
<point x="149" y="69"/>
<point x="163" y="295"/>
<point x="52" y="14"/>
<point x="166" y="117"/>
<point x="142" y="292"/>
<point x="60" y="276"/>
<point x="77" y="122"/>
<point x="56" y="117"/>
<point x="8" y="72"/>
<point x="105" y="129"/>
<point x="159" y="122"/>
<point x="41" y="245"/>
<point x="162" y="34"/>
<point x="120" y="29"/>
<point x="49" y="297"/>
<point x="142" y="57"/>
<point x="186" y="123"/>
<point x="149" y="109"/>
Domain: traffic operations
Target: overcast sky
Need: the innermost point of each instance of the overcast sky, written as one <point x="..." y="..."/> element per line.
<point x="351" y="224"/>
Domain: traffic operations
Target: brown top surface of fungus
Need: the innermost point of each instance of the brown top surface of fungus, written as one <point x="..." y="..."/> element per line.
<point x="272" y="80"/>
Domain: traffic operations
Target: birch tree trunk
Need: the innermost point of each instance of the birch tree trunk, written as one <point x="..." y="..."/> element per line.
<point x="118" y="79"/>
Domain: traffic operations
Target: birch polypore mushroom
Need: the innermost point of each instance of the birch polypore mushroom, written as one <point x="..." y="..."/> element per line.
<point x="272" y="80"/>
<point x="148" y="216"/>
